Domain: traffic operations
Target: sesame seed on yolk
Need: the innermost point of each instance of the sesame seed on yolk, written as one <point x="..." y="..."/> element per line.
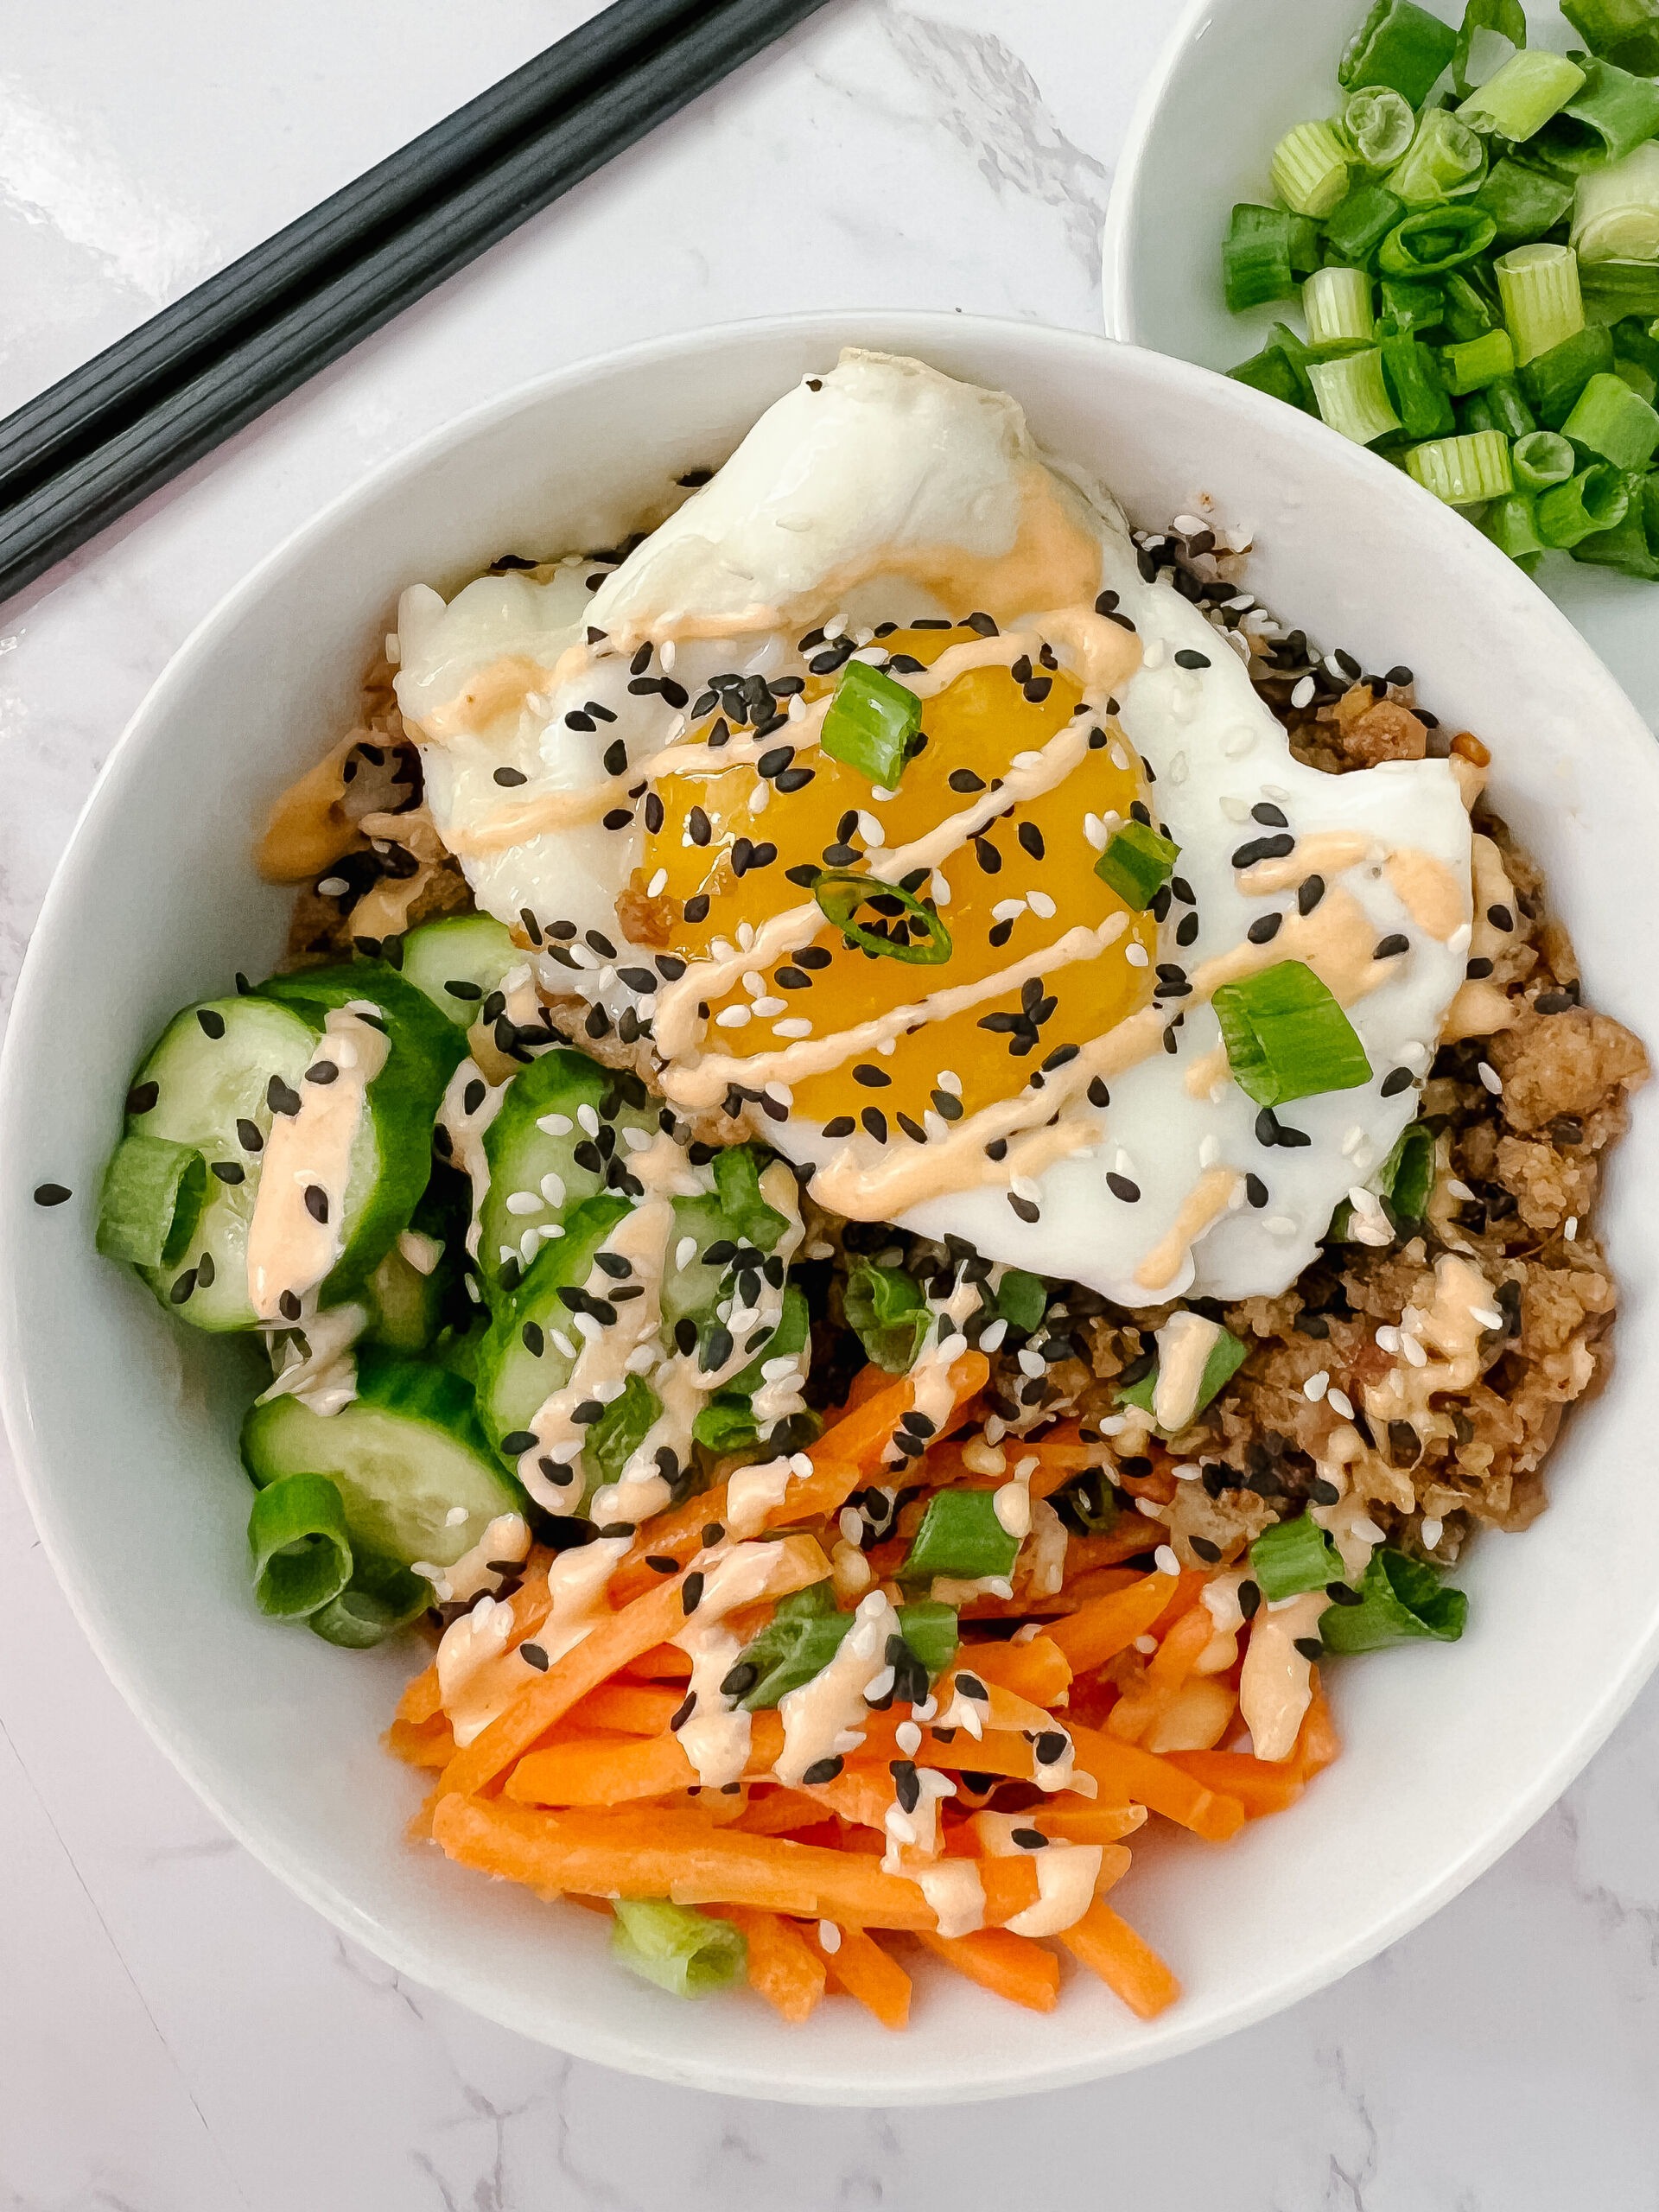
<point x="978" y="724"/>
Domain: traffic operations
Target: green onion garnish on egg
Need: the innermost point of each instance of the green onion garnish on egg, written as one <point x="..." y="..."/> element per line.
<point x="1136" y="864"/>
<point x="1286" y="1036"/>
<point x="909" y="931"/>
<point x="872" y="723"/>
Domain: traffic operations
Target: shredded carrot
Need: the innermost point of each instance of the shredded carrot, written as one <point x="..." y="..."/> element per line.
<point x="1010" y="1966"/>
<point x="1099" y="1632"/>
<point x="780" y="1812"/>
<point x="1189" y="1587"/>
<point x="1110" y="1947"/>
<point x="1127" y="1774"/>
<point x="428" y="1745"/>
<point x="1039" y="1670"/>
<point x="667" y="1663"/>
<point x="1088" y="1823"/>
<point x="421" y="1697"/>
<point x="784" y="1968"/>
<point x="1317" y="1744"/>
<point x="631" y="1708"/>
<point x="1260" y="1788"/>
<point x="860" y="1966"/>
<point x="1178" y="1653"/>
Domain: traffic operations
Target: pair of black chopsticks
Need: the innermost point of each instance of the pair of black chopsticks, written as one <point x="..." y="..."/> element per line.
<point x="92" y="446"/>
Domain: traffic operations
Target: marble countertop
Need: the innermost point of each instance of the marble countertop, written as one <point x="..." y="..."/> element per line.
<point x="179" y="2034"/>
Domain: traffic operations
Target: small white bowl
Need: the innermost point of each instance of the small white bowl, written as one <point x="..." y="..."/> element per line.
<point x="126" y="1424"/>
<point x="1232" y="78"/>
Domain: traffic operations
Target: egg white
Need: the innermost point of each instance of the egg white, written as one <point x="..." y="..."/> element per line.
<point x="846" y="474"/>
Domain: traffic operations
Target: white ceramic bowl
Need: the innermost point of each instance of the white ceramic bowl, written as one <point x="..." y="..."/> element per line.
<point x="1233" y="77"/>
<point x="126" y="1424"/>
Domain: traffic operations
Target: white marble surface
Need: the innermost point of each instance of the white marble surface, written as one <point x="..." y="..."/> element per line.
<point x="177" y="2034"/>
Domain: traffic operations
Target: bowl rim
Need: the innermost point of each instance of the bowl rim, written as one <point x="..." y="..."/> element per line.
<point x="1179" y="2032"/>
<point x="1123" y="201"/>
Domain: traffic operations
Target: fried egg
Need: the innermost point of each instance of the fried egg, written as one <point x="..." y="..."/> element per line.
<point x="626" y="760"/>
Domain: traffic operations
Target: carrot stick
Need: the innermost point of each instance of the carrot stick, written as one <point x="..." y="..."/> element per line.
<point x="1088" y="1823"/>
<point x="1100" y="1631"/>
<point x="1125" y="1772"/>
<point x="1189" y="1587"/>
<point x="667" y="1663"/>
<point x="1178" y="1654"/>
<point x="1319" y="1743"/>
<point x="780" y="1812"/>
<point x="864" y="1970"/>
<point x="858" y="1441"/>
<point x="430" y="1744"/>
<point x="634" y="1708"/>
<point x="651" y="1619"/>
<point x="676" y="1855"/>
<point x="616" y="1773"/>
<point x="1110" y="1947"/>
<point x="1039" y="1670"/>
<point x="783" y="1966"/>
<point x="421" y="1697"/>
<point x="1010" y="1966"/>
<point x="1260" y="1788"/>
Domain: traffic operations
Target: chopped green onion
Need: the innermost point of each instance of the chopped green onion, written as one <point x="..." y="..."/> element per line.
<point x="1435" y="239"/>
<point x="872" y="723"/>
<point x="1610" y="423"/>
<point x="621" y="1429"/>
<point x="1508" y="408"/>
<point x="1541" y="459"/>
<point x="961" y="1537"/>
<point x="1378" y="123"/>
<point x="1401" y="1600"/>
<point x="1554" y="380"/>
<point x="1310" y="169"/>
<point x="1358" y="227"/>
<point x="745" y="1215"/>
<point x="887" y="1312"/>
<point x="1523" y="202"/>
<point x="1256" y="257"/>
<point x="1539" y="286"/>
<point x="805" y="1632"/>
<point x="840" y="893"/>
<point x="1446" y="156"/>
<point x="1622" y="31"/>
<point x="1616" y="209"/>
<point x="1283" y="339"/>
<point x="1136" y="864"/>
<point x="677" y="1947"/>
<point x="1336" y="305"/>
<point x="1613" y="289"/>
<point x="1477" y="361"/>
<point x="1408" y="309"/>
<point x="726" y="1422"/>
<point x="1631" y="546"/>
<point x="1634" y="342"/>
<point x="1021" y="1298"/>
<point x="1402" y="44"/>
<point x="1467" y="314"/>
<point x="1463" y="471"/>
<point x="1406" y="1178"/>
<point x="1414" y="386"/>
<point x="1608" y="117"/>
<point x="1269" y="372"/>
<point x="1292" y="1557"/>
<point x="1487" y="21"/>
<point x="1286" y="1036"/>
<point x="1642" y="380"/>
<point x="1513" y="528"/>
<point x="301" y="1552"/>
<point x="382" y="1597"/>
<point x="1307" y="252"/>
<point x="1521" y="97"/>
<point x="1227" y="1355"/>
<point x="153" y="1194"/>
<point x="1595" y="499"/>
<point x="1353" y="397"/>
<point x="1088" y="1504"/>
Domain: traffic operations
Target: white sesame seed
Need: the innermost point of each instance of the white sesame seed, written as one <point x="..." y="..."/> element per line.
<point x="525" y="1202"/>
<point x="1031" y="1363"/>
<point x="1415" y="1355"/>
<point x="1094" y="830"/>
<point x="685" y="1252"/>
<point x="760" y="797"/>
<point x="908" y="1737"/>
<point x="332" y="886"/>
<point x="1280" y="1224"/>
<point x="636" y="1140"/>
<point x="1145" y="1645"/>
<point x="1316" y="1386"/>
<point x="1209" y="1151"/>
<point x="869" y="828"/>
<point x="658" y="885"/>
<point x="763" y="1009"/>
<point x="1137" y="955"/>
<point x="1040" y="904"/>
<point x="1458" y="1190"/>
<point x="553" y="1188"/>
<point x="1303" y="694"/>
<point x="1006" y="909"/>
<point x="1119" y="757"/>
<point x="797" y="1026"/>
<point x="941" y="890"/>
<point x="1387" y="1339"/>
<point x="1434" y="1530"/>
<point x="529" y="1245"/>
<point x="1570" y="1228"/>
<point x="1488" y="1316"/>
<point x="829" y="1936"/>
<point x="732" y="1017"/>
<point x="549" y="1231"/>
<point x="1491" y="1079"/>
<point x="454" y="1516"/>
<point x="1340" y="1402"/>
<point x="991" y="1340"/>
<point x="1165" y="1561"/>
<point x="589" y="1119"/>
<point x="850" y="1522"/>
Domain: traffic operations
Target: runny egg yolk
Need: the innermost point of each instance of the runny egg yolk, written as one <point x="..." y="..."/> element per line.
<point x="1002" y="897"/>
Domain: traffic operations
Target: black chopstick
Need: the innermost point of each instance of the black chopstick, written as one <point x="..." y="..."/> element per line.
<point x="97" y="398"/>
<point x="262" y="360"/>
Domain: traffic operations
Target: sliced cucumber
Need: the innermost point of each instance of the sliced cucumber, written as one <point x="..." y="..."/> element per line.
<point x="205" y="1085"/>
<point x="404" y="1304"/>
<point x="403" y="1455"/>
<point x="392" y="1160"/>
<point x="732" y="1217"/>
<point x="519" y="1365"/>
<point x="458" y="962"/>
<point x="538" y="1146"/>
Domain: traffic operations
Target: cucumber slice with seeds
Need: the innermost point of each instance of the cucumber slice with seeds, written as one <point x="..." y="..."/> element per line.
<point x="206" y="1085"/>
<point x="405" y="1453"/>
<point x="458" y="962"/>
<point x="520" y="1363"/>
<point x="540" y="1147"/>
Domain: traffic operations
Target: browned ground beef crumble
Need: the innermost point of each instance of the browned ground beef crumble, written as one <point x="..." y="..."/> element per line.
<point x="1529" y="1158"/>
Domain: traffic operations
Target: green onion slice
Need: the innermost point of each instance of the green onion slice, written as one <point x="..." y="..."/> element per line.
<point x="1021" y="1300"/>
<point x="1523" y="202"/>
<point x="1256" y="257"/>
<point x="1616" y="209"/>
<point x="1512" y="526"/>
<point x="1542" y="305"/>
<point x="872" y="723"/>
<point x="726" y="1422"/>
<point x="1607" y="118"/>
<point x="805" y="1632"/>
<point x="1541" y="459"/>
<point x="1358" y="227"/>
<point x="1353" y="397"/>
<point x="382" y="1597"/>
<point x="1406" y="1178"/>
<point x="1416" y="389"/>
<point x="1402" y="44"/>
<point x="1611" y="422"/>
<point x="1400" y="1601"/>
<point x="153" y="1194"/>
<point x="1468" y="313"/>
<point x="1292" y="1557"/>
<point x="1487" y="19"/>
<point x="1553" y="381"/>
<point x="960" y="1537"/>
<point x="1337" y="303"/>
<point x="1476" y="362"/>
<point x="1595" y="499"/>
<point x="621" y="1429"/>
<point x="840" y="892"/>
<point x="1631" y="546"/>
<point x="1516" y="103"/>
<point x="887" y="1312"/>
<point x="1622" y="31"/>
<point x="1446" y="156"/>
<point x="1286" y="1036"/>
<point x="1463" y="471"/>
<point x="1309" y="169"/>
<point x="301" y="1553"/>
<point x="1227" y="1355"/>
<point x="1408" y="309"/>
<point x="1136" y="864"/>
<point x="679" y="1949"/>
<point x="1379" y="124"/>
<point x="1436" y="239"/>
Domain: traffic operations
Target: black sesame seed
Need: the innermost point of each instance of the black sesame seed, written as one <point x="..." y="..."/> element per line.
<point x="1264" y="928"/>
<point x="1309" y="894"/>
<point x="842" y="1125"/>
<point x="1032" y="838"/>
<point x="54" y="1194"/>
<point x="1023" y="1208"/>
<point x="1500" y="917"/>
<point x="1264" y="848"/>
<point x="1255" y="1190"/>
<point x="822" y="1770"/>
<point x="280" y="1097"/>
<point x="1099" y="1096"/>
<point x="1121" y="1187"/>
<point x="1050" y="1747"/>
<point x="213" y="1023"/>
<point x="988" y="856"/>
<point x="143" y="1096"/>
<point x="230" y="1170"/>
<point x="1187" y="658"/>
<point x="1390" y="947"/>
<point x="1309" y="1647"/>
<point x="1395" y="1081"/>
<point x="875" y="1121"/>
<point x="873" y="1078"/>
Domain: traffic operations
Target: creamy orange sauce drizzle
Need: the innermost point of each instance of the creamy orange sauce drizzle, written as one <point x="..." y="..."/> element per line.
<point x="305" y="831"/>
<point x="1207" y="1200"/>
<point x="290" y="1248"/>
<point x="1428" y="891"/>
